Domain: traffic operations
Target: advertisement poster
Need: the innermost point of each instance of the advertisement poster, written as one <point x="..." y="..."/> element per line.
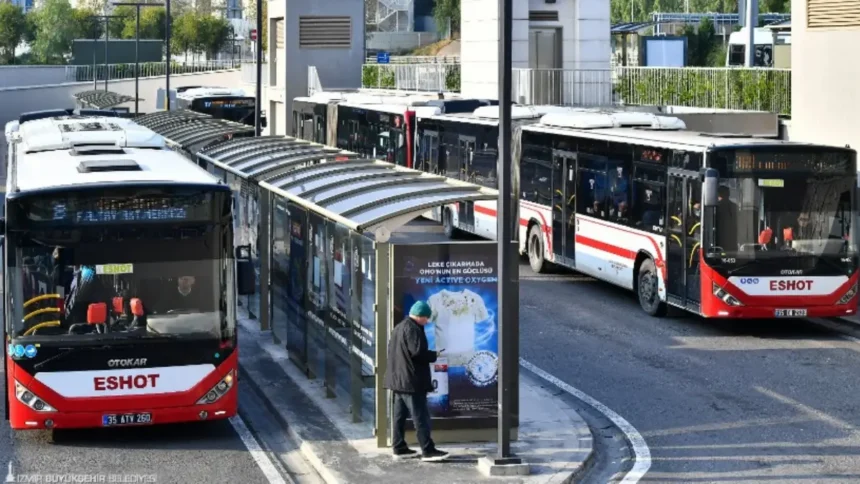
<point x="340" y="277"/>
<point x="459" y="281"/>
<point x="364" y="299"/>
<point x="296" y="320"/>
<point x="317" y="292"/>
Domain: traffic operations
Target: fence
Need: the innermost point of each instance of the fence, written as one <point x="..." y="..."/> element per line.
<point x="417" y="59"/>
<point x="148" y="69"/>
<point x="412" y="77"/>
<point x="756" y="89"/>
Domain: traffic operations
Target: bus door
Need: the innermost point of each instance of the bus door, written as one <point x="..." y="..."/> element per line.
<point x="564" y="207"/>
<point x="684" y="235"/>
<point x="306" y="128"/>
<point x="428" y="153"/>
<point x="3" y="317"/>
<point x="466" y="147"/>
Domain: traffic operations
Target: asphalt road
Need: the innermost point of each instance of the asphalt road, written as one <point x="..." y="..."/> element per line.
<point x="716" y="401"/>
<point x="210" y="452"/>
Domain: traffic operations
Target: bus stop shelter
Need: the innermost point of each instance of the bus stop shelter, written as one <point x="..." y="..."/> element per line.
<point x="336" y="272"/>
<point x="102" y="99"/>
<point x="191" y="131"/>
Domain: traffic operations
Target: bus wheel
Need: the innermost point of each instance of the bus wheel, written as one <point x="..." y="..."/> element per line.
<point x="647" y="290"/>
<point x="535" y="250"/>
<point x="448" y="223"/>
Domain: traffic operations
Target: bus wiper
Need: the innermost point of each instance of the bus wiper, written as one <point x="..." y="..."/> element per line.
<point x="66" y="352"/>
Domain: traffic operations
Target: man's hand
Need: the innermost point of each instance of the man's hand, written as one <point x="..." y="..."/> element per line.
<point x="439" y="352"/>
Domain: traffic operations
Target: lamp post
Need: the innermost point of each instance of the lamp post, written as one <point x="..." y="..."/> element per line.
<point x="258" y="108"/>
<point x="107" y="37"/>
<point x="167" y="22"/>
<point x="137" y="5"/>
<point x="507" y="262"/>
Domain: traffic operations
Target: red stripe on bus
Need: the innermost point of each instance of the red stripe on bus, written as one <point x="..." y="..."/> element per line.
<point x="523" y="222"/>
<point x="604" y="247"/>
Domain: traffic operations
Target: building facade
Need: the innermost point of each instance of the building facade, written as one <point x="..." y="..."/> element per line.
<point x="328" y="35"/>
<point x="825" y="94"/>
<point x="548" y="36"/>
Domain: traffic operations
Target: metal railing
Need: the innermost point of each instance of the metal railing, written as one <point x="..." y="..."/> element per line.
<point x="758" y="89"/>
<point x="417" y="59"/>
<point x="147" y="69"/>
<point x="412" y="77"/>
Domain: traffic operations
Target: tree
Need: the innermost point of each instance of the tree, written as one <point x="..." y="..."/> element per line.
<point x="84" y="25"/>
<point x="12" y="27"/>
<point x="30" y="26"/>
<point x="151" y="24"/>
<point x="445" y="11"/>
<point x="54" y="32"/>
<point x="116" y="26"/>
<point x="184" y="32"/>
<point x="214" y="34"/>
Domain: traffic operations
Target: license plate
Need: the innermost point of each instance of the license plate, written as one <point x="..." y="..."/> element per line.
<point x="126" y="419"/>
<point x="790" y="313"/>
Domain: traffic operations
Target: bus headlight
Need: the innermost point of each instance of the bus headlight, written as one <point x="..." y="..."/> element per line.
<point x="30" y="399"/>
<point x="848" y="295"/>
<point x="219" y="390"/>
<point x="725" y="296"/>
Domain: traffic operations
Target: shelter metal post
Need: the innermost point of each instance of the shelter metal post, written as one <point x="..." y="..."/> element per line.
<point x="263" y="234"/>
<point x="258" y="108"/>
<point x="382" y="311"/>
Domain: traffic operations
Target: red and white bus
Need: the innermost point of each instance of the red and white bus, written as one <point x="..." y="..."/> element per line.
<point x="373" y="125"/>
<point x="719" y="225"/>
<point x="118" y="278"/>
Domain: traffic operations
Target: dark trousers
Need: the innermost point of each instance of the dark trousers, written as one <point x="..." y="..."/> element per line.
<point x="414" y="404"/>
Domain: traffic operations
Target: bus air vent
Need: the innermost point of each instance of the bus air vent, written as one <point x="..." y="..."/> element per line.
<point x="95" y="149"/>
<point x="97" y="166"/>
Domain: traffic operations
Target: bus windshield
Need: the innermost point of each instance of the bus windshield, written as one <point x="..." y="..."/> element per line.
<point x="776" y="210"/>
<point x="120" y="282"/>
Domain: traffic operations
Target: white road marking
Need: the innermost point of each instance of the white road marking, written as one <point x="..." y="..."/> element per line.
<point x="642" y="455"/>
<point x="256" y="451"/>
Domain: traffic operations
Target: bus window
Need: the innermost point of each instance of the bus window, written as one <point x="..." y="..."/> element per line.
<point x="649" y="193"/>
<point x="619" y="191"/>
<point x="536" y="182"/>
<point x="592" y="194"/>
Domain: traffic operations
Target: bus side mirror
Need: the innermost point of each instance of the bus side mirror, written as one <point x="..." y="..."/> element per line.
<point x="710" y="188"/>
<point x="244" y="271"/>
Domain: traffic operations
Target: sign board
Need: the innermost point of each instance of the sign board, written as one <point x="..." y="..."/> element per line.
<point x="383" y="57"/>
<point x="460" y="282"/>
<point x="253" y="34"/>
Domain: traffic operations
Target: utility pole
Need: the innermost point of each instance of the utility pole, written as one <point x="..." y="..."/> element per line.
<point x="258" y="108"/>
<point x="137" y="5"/>
<point x="168" y="23"/>
<point x="107" y="37"/>
<point x="751" y="14"/>
<point x="507" y="261"/>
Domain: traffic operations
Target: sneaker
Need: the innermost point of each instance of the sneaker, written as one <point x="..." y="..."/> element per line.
<point x="405" y="454"/>
<point x="434" y="455"/>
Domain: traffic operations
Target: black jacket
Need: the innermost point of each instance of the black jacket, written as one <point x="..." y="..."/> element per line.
<point x="408" y="368"/>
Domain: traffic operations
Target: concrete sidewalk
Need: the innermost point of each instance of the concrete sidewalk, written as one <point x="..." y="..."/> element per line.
<point x="553" y="437"/>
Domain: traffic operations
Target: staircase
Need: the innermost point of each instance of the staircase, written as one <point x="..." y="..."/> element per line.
<point x="394" y="15"/>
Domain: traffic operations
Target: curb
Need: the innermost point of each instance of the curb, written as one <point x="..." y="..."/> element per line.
<point x="306" y="449"/>
<point x="319" y="459"/>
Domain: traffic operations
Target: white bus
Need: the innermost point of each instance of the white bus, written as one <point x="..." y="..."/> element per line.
<point x="114" y="247"/>
<point x="633" y="198"/>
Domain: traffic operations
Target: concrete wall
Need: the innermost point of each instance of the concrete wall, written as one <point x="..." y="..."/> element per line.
<point x="825" y="95"/>
<point x="11" y="76"/>
<point x="585" y="39"/>
<point x="337" y="67"/>
<point x="17" y="100"/>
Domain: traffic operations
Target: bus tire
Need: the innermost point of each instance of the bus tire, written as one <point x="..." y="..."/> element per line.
<point x="537" y="261"/>
<point x="647" y="289"/>
<point x="448" y="223"/>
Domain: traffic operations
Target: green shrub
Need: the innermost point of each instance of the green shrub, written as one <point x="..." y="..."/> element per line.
<point x="731" y="88"/>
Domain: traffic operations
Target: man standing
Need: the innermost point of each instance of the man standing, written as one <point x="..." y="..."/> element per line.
<point x="407" y="375"/>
